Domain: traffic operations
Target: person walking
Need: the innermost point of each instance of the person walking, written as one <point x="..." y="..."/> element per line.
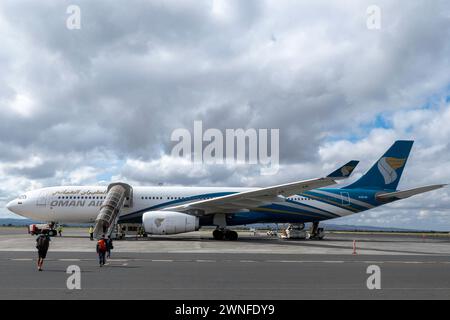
<point x="109" y="247"/>
<point x="42" y="245"/>
<point x="60" y="230"/>
<point x="101" y="251"/>
<point x="91" y="233"/>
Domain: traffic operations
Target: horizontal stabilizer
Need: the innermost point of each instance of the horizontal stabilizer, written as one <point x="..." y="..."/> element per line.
<point x="408" y="193"/>
<point x="345" y="171"/>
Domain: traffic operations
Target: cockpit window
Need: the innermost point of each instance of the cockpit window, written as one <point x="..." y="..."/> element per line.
<point x="22" y="197"/>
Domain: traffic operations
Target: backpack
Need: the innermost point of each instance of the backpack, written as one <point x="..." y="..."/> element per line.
<point x="42" y="242"/>
<point x="101" y="245"/>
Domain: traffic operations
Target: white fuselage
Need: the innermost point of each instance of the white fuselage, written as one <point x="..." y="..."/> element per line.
<point x="75" y="204"/>
<point x="82" y="204"/>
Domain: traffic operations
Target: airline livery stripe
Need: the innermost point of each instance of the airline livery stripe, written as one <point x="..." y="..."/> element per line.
<point x="331" y="202"/>
<point x="339" y="211"/>
<point x="338" y="196"/>
<point x="282" y="209"/>
<point x="319" y="207"/>
<point x="312" y="209"/>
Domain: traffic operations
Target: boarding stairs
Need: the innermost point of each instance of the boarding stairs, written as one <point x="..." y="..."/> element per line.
<point x="118" y="196"/>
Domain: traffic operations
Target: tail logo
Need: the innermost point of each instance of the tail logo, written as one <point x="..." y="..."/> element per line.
<point x="347" y="170"/>
<point x="387" y="167"/>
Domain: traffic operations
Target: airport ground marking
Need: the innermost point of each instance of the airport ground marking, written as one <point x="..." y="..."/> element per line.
<point x="118" y="261"/>
<point x="162" y="260"/>
<point x="69" y="260"/>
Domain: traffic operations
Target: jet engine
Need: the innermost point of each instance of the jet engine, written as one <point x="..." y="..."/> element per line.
<point x="169" y="222"/>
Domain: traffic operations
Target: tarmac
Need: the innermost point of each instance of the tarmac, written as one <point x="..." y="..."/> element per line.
<point x="194" y="266"/>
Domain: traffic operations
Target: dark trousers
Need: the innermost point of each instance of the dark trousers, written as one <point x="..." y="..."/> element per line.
<point x="92" y="236"/>
<point x="101" y="257"/>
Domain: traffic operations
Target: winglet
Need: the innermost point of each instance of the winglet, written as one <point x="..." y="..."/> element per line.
<point x="345" y="171"/>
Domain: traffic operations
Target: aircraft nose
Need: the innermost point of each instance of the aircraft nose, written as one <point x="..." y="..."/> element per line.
<point x="11" y="205"/>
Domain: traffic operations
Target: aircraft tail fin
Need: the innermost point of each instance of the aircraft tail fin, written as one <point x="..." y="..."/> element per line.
<point x="385" y="174"/>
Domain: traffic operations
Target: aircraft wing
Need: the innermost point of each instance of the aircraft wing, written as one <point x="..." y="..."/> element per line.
<point x="262" y="196"/>
<point x="408" y="193"/>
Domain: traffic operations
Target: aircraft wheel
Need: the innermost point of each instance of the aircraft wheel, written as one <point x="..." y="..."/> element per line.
<point x="231" y="235"/>
<point x="218" y="234"/>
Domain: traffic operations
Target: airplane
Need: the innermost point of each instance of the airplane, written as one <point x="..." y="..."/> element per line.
<point x="164" y="210"/>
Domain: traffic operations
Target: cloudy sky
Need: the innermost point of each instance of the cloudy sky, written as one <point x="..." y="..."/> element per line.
<point x="99" y="104"/>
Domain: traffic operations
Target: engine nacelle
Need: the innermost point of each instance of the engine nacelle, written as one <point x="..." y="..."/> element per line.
<point x="169" y="222"/>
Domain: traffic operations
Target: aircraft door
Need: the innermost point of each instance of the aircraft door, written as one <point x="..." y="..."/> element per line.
<point x="42" y="199"/>
<point x="345" y="198"/>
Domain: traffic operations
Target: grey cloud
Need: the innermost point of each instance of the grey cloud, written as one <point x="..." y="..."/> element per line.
<point x="43" y="171"/>
<point x="119" y="86"/>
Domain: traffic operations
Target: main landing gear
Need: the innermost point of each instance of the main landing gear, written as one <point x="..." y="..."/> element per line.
<point x="225" y="234"/>
<point x="297" y="231"/>
<point x="316" y="233"/>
